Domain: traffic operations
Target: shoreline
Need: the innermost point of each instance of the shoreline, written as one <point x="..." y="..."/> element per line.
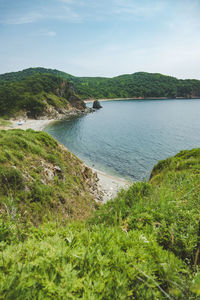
<point x="139" y="98"/>
<point x="37" y="125"/>
<point x="108" y="184"/>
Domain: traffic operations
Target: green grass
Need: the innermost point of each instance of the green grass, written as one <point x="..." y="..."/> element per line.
<point x="4" y="123"/>
<point x="168" y="205"/>
<point x="41" y="177"/>
<point x="144" y="244"/>
<point x="74" y="261"/>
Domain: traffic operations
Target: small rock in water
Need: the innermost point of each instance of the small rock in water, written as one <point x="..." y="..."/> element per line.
<point x="96" y="104"/>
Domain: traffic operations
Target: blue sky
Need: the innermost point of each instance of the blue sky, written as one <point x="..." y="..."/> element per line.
<point x="101" y="38"/>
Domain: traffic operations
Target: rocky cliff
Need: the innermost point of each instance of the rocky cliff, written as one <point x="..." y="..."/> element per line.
<point x="39" y="178"/>
<point x="39" y="96"/>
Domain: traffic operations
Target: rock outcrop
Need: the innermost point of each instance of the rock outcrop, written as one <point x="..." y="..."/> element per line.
<point x="96" y="104"/>
<point x="67" y="91"/>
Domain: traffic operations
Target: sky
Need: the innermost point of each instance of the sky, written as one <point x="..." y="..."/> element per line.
<point x="101" y="37"/>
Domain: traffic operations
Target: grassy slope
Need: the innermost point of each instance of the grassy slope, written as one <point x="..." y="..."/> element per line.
<point x="167" y="206"/>
<point x="142" y="245"/>
<point x="39" y="177"/>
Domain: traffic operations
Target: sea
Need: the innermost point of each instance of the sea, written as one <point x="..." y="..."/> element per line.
<point x="127" y="138"/>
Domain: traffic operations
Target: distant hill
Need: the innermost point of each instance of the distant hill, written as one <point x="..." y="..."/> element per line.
<point x="36" y="95"/>
<point x="139" y="85"/>
<point x="20" y="75"/>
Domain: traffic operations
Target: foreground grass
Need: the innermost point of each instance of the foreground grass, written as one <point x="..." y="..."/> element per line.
<point x="144" y="244"/>
<point x="76" y="261"/>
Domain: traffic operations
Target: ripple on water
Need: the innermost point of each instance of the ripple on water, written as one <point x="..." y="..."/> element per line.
<point x="127" y="138"/>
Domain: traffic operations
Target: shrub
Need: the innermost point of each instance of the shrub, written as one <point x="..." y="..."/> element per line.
<point x="11" y="179"/>
<point x="103" y="263"/>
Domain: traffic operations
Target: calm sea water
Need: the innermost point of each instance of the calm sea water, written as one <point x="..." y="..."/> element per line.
<point x="127" y="138"/>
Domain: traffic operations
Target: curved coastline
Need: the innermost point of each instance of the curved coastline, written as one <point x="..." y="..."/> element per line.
<point x="37" y="125"/>
<point x="121" y="99"/>
<point x="109" y="185"/>
<point x="137" y="98"/>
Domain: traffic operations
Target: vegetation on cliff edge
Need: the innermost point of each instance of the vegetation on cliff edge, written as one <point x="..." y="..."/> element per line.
<point x="38" y="95"/>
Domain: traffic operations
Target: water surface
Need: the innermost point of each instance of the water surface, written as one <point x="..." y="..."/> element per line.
<point x="127" y="138"/>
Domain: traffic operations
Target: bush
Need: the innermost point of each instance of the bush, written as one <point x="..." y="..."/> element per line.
<point x="11" y="180"/>
<point x="35" y="107"/>
<point x="70" y="262"/>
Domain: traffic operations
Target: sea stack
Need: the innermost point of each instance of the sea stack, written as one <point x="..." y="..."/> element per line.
<point x="96" y="104"/>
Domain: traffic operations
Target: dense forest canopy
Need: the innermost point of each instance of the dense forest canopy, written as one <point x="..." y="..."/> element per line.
<point x="140" y="84"/>
<point x="35" y="94"/>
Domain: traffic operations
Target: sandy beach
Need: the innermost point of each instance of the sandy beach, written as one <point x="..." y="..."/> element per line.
<point x="108" y="184"/>
<point x="109" y="99"/>
<point x="37" y="125"/>
<point x="122" y="99"/>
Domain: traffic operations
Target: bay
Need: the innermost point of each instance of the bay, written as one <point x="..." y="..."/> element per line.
<point x="127" y="138"/>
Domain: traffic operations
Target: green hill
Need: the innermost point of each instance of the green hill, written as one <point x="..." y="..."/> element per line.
<point x="38" y="95"/>
<point x="20" y="75"/>
<point x="144" y="244"/>
<point x="140" y="84"/>
<point x="40" y="178"/>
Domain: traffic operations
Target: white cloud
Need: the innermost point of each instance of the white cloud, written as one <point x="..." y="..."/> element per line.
<point x="108" y="9"/>
<point x="67" y="1"/>
<point x="137" y="9"/>
<point x="70" y="15"/>
<point x="66" y="14"/>
<point x="79" y="10"/>
<point x="25" y="19"/>
<point x="167" y="55"/>
<point x="51" y="33"/>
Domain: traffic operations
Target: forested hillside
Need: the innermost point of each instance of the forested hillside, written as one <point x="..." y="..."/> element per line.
<point x="139" y="84"/>
<point x="17" y="76"/>
<point x="37" y="95"/>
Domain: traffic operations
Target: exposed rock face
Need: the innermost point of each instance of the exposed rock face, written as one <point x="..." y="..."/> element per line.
<point x="96" y="104"/>
<point x="92" y="179"/>
<point x="67" y="91"/>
